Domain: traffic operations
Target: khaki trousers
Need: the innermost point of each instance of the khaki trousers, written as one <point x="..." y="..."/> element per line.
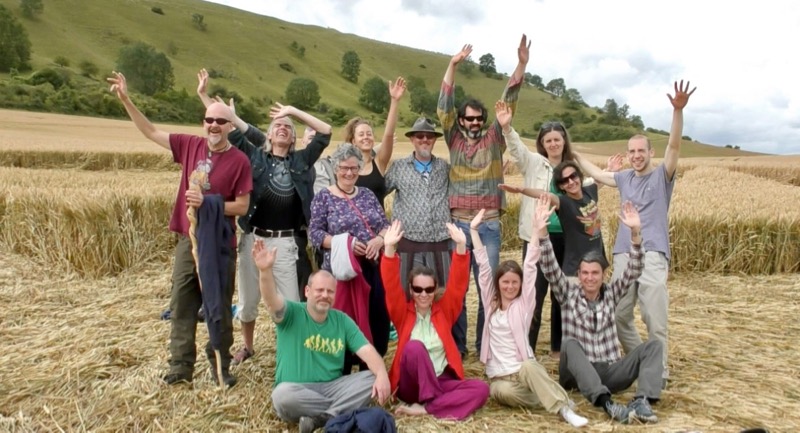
<point x="529" y="388"/>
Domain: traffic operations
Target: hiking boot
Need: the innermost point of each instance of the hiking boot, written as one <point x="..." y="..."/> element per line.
<point x="227" y="378"/>
<point x="308" y="424"/>
<point x="174" y="378"/>
<point x="617" y="412"/>
<point x="640" y="409"/>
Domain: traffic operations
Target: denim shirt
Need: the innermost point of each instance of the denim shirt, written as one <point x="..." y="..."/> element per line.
<point x="300" y="162"/>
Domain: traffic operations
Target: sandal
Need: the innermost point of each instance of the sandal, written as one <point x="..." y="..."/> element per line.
<point x="242" y="355"/>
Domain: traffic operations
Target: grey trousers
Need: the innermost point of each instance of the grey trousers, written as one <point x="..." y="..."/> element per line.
<point x="594" y="379"/>
<point x="293" y="400"/>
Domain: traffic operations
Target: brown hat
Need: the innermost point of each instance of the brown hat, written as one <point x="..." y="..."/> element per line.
<point x="423" y="124"/>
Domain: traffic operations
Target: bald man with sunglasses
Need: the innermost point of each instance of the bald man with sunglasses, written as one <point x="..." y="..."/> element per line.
<point x="227" y="173"/>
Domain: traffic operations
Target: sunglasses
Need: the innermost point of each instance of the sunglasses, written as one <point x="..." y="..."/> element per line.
<point x="473" y="118"/>
<point x="429" y="290"/>
<point x="552" y="125"/>
<point x="424" y="135"/>
<point x="220" y="120"/>
<point x="574" y="176"/>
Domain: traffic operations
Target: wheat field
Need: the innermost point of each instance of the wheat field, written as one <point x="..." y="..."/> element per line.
<point x="85" y="267"/>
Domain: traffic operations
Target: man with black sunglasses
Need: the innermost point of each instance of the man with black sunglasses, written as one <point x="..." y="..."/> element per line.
<point x="649" y="187"/>
<point x="476" y="168"/>
<point x="280" y="206"/>
<point x="419" y="182"/>
<point x="227" y="173"/>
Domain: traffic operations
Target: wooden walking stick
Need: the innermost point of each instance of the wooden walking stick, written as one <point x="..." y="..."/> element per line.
<point x="196" y="180"/>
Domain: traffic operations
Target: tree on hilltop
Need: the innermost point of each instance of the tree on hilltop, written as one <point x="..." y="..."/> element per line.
<point x="15" y="47"/>
<point x="351" y="66"/>
<point x="147" y="70"/>
<point x="486" y="64"/>
<point x="375" y="95"/>
<point x="302" y="93"/>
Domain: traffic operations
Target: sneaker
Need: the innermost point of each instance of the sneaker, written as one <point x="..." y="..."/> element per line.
<point x="572" y="418"/>
<point x="227" y="378"/>
<point x="641" y="410"/>
<point x="242" y="355"/>
<point x="308" y="424"/>
<point x="618" y="412"/>
<point x="177" y="378"/>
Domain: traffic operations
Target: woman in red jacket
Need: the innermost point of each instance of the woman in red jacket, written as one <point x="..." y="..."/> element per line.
<point x="427" y="373"/>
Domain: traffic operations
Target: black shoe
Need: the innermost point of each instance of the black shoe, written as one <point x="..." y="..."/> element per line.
<point x="308" y="424"/>
<point x="177" y="378"/>
<point x="227" y="378"/>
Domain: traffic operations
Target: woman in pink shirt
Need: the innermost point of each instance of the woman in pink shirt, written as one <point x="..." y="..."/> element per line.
<point x="517" y="379"/>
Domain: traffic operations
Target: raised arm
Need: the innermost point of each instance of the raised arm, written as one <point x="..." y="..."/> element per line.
<point x="120" y="87"/>
<point x="511" y="92"/>
<point x="396" y="91"/>
<point x="540" y="218"/>
<point x="673" y="151"/>
<point x="485" y="274"/>
<point x="264" y="259"/>
<point x="473" y="230"/>
<point x="519" y="152"/>
<point x="530" y="192"/>
<point x="390" y="275"/>
<point x="600" y="176"/>
<point x="202" y="88"/>
<point x="550" y="268"/>
<point x="278" y="110"/>
<point x="450" y="73"/>
<point x="630" y="217"/>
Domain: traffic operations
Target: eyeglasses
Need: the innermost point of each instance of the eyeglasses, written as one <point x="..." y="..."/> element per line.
<point x="565" y="180"/>
<point x="424" y="135"/>
<point x="429" y="290"/>
<point x="220" y="120"/>
<point x="353" y="169"/>
<point x="552" y="125"/>
<point x="473" y="118"/>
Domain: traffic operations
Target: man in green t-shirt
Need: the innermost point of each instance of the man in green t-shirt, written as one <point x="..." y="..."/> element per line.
<point x="312" y="340"/>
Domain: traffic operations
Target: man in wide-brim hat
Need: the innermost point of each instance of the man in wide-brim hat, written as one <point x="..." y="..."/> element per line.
<point x="420" y="183"/>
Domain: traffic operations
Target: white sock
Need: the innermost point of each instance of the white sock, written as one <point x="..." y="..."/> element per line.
<point x="572" y="418"/>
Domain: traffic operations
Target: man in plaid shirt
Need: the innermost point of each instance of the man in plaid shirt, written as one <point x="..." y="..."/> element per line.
<point x="590" y="355"/>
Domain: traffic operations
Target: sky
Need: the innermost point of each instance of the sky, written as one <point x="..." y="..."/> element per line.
<point x="742" y="55"/>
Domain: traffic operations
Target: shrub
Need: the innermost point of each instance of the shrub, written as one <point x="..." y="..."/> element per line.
<point x="157" y="10"/>
<point x="49" y="75"/>
<point x="61" y="61"/>
<point x="88" y="69"/>
<point x="287" y="67"/>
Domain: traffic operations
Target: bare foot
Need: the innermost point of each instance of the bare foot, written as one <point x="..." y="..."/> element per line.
<point x="555" y="355"/>
<point x="414" y="409"/>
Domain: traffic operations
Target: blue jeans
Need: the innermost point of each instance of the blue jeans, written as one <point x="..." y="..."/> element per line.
<point x="489" y="232"/>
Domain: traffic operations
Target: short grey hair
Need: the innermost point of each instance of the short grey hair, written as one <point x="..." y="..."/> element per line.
<point x="346" y="151"/>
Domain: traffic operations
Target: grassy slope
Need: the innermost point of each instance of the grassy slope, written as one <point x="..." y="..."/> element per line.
<point x="249" y="48"/>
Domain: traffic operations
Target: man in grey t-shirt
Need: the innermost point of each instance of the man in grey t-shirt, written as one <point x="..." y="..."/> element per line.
<point x="649" y="188"/>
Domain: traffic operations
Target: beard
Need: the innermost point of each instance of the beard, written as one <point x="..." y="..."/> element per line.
<point x="214" y="140"/>
<point x="425" y="154"/>
<point x="473" y="133"/>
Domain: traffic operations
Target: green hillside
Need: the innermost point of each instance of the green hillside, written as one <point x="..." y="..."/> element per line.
<point x="248" y="50"/>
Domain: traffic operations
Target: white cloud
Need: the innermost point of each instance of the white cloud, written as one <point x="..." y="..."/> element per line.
<point x="740" y="54"/>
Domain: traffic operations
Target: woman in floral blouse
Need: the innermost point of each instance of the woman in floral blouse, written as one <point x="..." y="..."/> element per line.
<point x="346" y="208"/>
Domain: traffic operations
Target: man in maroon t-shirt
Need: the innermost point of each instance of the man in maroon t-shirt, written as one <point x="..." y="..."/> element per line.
<point x="226" y="172"/>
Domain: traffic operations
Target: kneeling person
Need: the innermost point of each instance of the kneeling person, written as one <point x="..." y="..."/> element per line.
<point x="312" y="339"/>
<point x="590" y="355"/>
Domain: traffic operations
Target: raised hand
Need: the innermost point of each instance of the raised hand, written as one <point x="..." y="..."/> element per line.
<point x="544" y="208"/>
<point x="202" y="82"/>
<point x="461" y="55"/>
<point x="456" y="234"/>
<point x="511" y="188"/>
<point x="681" y="97"/>
<point x="279" y="110"/>
<point x="477" y="220"/>
<point x="393" y="235"/>
<point x="397" y="89"/>
<point x="630" y="216"/>
<point x="263" y="257"/>
<point x="503" y="113"/>
<point x="118" y="85"/>
<point x="615" y="162"/>
<point x="524" y="50"/>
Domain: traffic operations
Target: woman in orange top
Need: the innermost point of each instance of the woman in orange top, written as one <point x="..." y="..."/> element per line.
<point x="427" y="373"/>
